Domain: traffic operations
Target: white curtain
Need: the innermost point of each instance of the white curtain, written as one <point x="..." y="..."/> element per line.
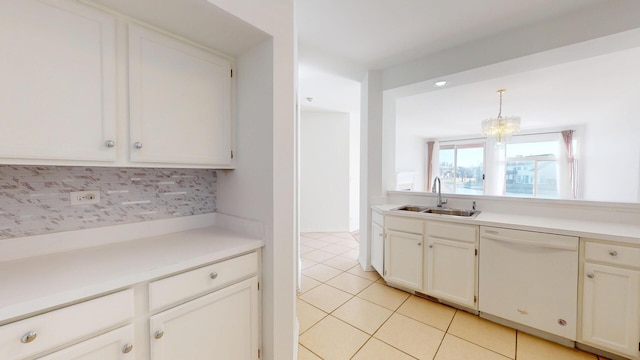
<point x="429" y="166"/>
<point x="566" y="166"/>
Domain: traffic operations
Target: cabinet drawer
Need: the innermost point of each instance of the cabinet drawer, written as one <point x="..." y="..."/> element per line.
<point x="404" y="225"/>
<point x="174" y="289"/>
<point x="460" y="232"/>
<point x="377" y="218"/>
<point x="65" y="325"/>
<point x="612" y="254"/>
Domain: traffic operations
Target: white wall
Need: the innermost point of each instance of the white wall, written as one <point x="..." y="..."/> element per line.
<point x="354" y="171"/>
<point x="411" y="157"/>
<point x="324" y="171"/>
<point x="371" y="188"/>
<point x="265" y="177"/>
<point x="610" y="159"/>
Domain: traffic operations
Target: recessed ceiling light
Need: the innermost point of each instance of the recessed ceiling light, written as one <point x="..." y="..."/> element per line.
<point x="440" y="83"/>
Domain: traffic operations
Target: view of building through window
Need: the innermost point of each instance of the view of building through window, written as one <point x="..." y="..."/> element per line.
<point x="461" y="168"/>
<point x="531" y="168"/>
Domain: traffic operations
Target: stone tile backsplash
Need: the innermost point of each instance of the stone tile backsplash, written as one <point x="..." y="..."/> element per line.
<point x="35" y="200"/>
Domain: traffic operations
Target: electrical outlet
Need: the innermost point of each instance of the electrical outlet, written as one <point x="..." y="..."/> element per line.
<point x="84" y="197"/>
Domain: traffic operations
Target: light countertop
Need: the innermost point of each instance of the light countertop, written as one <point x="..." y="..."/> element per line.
<point x="34" y="284"/>
<point x="625" y="233"/>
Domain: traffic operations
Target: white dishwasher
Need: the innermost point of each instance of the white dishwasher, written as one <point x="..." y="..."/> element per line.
<point x="529" y="278"/>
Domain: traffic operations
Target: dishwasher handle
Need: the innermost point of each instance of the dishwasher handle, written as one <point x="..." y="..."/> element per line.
<point x="540" y="244"/>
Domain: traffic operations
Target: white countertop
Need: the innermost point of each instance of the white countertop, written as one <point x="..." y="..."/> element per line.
<point x="625" y="233"/>
<point x="34" y="284"/>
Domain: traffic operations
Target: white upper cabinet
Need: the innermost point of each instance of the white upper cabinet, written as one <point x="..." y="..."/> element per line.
<point x="57" y="81"/>
<point x="180" y="102"/>
<point x="65" y="98"/>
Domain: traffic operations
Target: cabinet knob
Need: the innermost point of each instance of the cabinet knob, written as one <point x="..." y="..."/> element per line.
<point x="137" y="145"/>
<point x="158" y="334"/>
<point x="419" y="243"/>
<point x="562" y="322"/>
<point x="613" y="253"/>
<point x="109" y="143"/>
<point x="431" y="246"/>
<point x="29" y="337"/>
<point x="590" y="275"/>
<point x="127" y="348"/>
<point x="213" y="275"/>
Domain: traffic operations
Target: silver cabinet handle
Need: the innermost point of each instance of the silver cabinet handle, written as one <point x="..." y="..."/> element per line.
<point x="590" y="275"/>
<point x="137" y="145"/>
<point x="158" y="334"/>
<point x="613" y="253"/>
<point x="109" y="143"/>
<point x="29" y="337"/>
<point x="213" y="275"/>
<point x="127" y="348"/>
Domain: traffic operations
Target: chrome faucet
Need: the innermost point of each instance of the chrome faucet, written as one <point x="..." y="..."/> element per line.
<point x="433" y="189"/>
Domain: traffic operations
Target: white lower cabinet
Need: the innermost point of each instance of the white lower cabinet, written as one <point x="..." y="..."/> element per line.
<point x="114" y="345"/>
<point x="377" y="245"/>
<point x="403" y="255"/>
<point x="221" y="325"/>
<point x="451" y="263"/>
<point x="611" y="299"/>
<point x="42" y="334"/>
<point x="210" y="312"/>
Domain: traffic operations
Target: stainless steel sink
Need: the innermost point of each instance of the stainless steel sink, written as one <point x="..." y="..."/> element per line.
<point x="453" y="212"/>
<point x="414" y="208"/>
<point x="439" y="211"/>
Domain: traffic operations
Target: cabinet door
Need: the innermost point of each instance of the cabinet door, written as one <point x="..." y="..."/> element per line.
<point x="450" y="271"/>
<point x="57" y="81"/>
<point x="180" y="101"/>
<point x="114" y="345"/>
<point x="377" y="248"/>
<point x="403" y="259"/>
<point x="610" y="317"/>
<point x="221" y="325"/>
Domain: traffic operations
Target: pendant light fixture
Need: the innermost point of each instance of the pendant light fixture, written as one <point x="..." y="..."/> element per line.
<point x="500" y="128"/>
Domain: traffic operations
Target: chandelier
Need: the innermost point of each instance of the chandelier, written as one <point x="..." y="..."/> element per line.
<point x="501" y="128"/>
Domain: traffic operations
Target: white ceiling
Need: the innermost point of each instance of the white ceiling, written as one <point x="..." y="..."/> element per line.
<point x="573" y="93"/>
<point x="337" y="38"/>
<point x="380" y="33"/>
<point x="549" y="92"/>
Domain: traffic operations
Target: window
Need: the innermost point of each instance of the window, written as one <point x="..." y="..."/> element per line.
<point x="532" y="169"/>
<point x="533" y="165"/>
<point x="462" y="168"/>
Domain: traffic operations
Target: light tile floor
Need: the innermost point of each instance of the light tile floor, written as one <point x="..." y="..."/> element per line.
<point x="347" y="313"/>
